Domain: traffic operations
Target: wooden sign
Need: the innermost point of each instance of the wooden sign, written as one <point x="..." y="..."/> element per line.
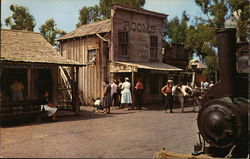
<point x="116" y="68"/>
<point x="138" y="27"/>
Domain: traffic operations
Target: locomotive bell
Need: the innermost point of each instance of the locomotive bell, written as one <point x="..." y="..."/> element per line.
<point x="219" y="122"/>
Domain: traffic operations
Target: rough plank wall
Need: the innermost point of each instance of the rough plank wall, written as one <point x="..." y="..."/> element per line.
<point x="139" y="40"/>
<point x="90" y="77"/>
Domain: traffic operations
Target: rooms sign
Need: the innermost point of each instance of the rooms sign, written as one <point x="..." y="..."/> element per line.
<point x="138" y="27"/>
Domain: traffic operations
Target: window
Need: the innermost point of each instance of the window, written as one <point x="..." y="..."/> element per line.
<point x="153" y="47"/>
<point x="91" y="55"/>
<point x="123" y="43"/>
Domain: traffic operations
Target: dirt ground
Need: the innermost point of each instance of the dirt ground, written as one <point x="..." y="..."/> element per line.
<point x="121" y="134"/>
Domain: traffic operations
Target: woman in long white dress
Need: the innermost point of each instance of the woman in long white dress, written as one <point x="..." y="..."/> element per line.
<point x="126" y="94"/>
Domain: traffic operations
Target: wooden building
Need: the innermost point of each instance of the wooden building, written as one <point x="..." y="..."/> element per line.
<point x="30" y="59"/>
<point x="177" y="56"/>
<point x="127" y="45"/>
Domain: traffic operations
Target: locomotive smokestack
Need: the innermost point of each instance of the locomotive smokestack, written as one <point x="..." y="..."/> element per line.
<point x="226" y="41"/>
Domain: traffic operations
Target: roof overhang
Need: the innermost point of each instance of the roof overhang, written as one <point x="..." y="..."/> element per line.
<point x="26" y="64"/>
<point x="118" y="66"/>
<point x="138" y="10"/>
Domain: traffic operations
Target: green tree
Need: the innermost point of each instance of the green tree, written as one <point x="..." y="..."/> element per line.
<point x="176" y="30"/>
<point x="88" y="15"/>
<point x="102" y="11"/>
<point x="104" y="5"/>
<point x="215" y="10"/>
<point x="240" y="10"/>
<point x="21" y="19"/>
<point x="202" y="38"/>
<point x="50" y="32"/>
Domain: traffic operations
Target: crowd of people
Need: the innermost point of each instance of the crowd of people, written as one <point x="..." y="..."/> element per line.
<point x="119" y="94"/>
<point x="181" y="92"/>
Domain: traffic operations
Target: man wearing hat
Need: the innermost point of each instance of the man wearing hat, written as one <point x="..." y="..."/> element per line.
<point x="167" y="92"/>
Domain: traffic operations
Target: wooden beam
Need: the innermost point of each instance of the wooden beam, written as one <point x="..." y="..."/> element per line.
<point x="77" y="91"/>
<point x="73" y="88"/>
<point x="29" y="83"/>
<point x="102" y="38"/>
<point x="133" y="89"/>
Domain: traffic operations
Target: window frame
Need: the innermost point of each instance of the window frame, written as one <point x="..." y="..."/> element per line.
<point x="153" y="48"/>
<point x="123" y="43"/>
<point x="90" y="58"/>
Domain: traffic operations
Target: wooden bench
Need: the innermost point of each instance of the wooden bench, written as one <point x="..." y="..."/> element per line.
<point x="13" y="110"/>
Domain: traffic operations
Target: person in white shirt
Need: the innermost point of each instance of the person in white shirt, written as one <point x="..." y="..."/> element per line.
<point x="206" y="85"/>
<point x="114" y="93"/>
<point x="126" y="94"/>
<point x="211" y="84"/>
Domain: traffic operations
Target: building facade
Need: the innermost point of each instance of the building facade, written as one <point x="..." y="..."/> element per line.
<point x="28" y="58"/>
<point x="127" y="45"/>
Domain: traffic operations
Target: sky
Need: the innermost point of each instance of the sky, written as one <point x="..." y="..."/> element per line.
<point x="66" y="12"/>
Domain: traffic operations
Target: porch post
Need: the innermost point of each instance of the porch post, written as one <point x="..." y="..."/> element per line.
<point x="193" y="79"/>
<point x="28" y="84"/>
<point x="54" y="83"/>
<point x="73" y="88"/>
<point x="133" y="89"/>
<point x="77" y="90"/>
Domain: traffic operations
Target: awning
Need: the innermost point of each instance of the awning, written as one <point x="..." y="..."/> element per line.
<point x="132" y="67"/>
<point x="198" y="64"/>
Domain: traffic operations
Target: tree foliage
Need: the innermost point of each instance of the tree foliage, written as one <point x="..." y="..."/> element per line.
<point x="241" y="11"/>
<point x="50" y="32"/>
<point x="176" y="30"/>
<point x="199" y="38"/>
<point x="21" y="19"/>
<point x="215" y="10"/>
<point x="102" y="11"/>
<point x="88" y="15"/>
<point x="104" y="5"/>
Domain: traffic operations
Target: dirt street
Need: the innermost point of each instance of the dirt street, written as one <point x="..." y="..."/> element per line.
<point x="130" y="134"/>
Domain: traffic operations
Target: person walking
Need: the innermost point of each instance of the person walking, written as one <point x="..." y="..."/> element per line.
<point x="126" y="94"/>
<point x="107" y="99"/>
<point x="167" y="92"/>
<point x="114" y="93"/>
<point x="181" y="95"/>
<point x="139" y="91"/>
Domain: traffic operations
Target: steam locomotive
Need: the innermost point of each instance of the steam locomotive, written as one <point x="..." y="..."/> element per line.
<point x="223" y="118"/>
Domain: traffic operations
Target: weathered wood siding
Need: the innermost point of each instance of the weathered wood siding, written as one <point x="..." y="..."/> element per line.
<point x="140" y="28"/>
<point x="91" y="77"/>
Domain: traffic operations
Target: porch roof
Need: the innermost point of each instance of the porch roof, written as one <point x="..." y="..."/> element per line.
<point x="198" y="64"/>
<point x="151" y="66"/>
<point x="30" y="48"/>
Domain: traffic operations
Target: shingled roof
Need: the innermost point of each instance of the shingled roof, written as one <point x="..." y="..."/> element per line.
<point x="31" y="47"/>
<point x="103" y="26"/>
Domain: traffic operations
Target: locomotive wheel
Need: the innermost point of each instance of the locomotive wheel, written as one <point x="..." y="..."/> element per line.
<point x="219" y="122"/>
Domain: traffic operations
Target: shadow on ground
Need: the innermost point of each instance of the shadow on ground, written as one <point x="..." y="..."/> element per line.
<point x="63" y="116"/>
<point x="176" y="105"/>
<point x="86" y="113"/>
